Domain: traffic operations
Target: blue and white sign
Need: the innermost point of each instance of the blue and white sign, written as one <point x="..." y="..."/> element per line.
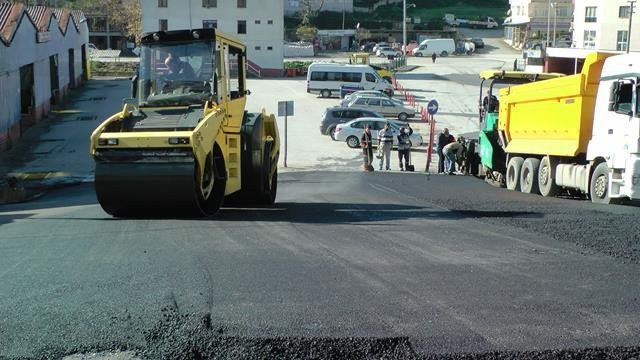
<point x="432" y="107"/>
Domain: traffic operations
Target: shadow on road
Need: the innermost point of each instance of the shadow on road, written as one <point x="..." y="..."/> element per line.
<point x="338" y="213"/>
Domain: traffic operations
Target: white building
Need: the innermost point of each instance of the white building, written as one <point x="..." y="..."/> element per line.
<point x="258" y="23"/>
<point x="43" y="55"/>
<point x="291" y="7"/>
<point x="531" y="21"/>
<point x="604" y="25"/>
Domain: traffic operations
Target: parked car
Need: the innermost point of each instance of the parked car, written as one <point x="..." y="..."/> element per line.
<point x="351" y="132"/>
<point x="349" y="97"/>
<point x="387" y="51"/>
<point x="91" y="46"/>
<point x="378" y="46"/>
<point x="479" y="43"/>
<point x="386" y="107"/>
<point x="339" y="115"/>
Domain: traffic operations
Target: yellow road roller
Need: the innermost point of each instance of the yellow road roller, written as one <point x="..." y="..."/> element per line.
<point x="183" y="142"/>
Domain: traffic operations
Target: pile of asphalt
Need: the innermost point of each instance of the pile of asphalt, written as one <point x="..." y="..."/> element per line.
<point x="189" y="337"/>
<point x="612" y="230"/>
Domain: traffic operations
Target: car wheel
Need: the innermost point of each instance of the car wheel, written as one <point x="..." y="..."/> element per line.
<point x="444" y="54"/>
<point x="419" y="54"/>
<point x="325" y="93"/>
<point x="332" y="133"/>
<point x="353" y="142"/>
<point x="402" y="116"/>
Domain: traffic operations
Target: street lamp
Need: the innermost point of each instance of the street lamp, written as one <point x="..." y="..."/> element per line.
<point x="631" y="5"/>
<point x="404" y="26"/>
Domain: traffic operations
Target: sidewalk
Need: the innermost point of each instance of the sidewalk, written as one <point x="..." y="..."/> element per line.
<point x="55" y="152"/>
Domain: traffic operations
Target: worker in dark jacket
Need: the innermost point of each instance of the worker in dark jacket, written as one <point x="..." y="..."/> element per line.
<point x="367" y="148"/>
<point x="404" y="146"/>
<point x="443" y="139"/>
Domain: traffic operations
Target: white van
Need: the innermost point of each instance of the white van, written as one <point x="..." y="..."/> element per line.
<point x="441" y="47"/>
<point x="327" y="78"/>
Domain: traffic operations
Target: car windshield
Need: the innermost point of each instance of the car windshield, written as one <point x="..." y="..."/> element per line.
<point x="176" y="74"/>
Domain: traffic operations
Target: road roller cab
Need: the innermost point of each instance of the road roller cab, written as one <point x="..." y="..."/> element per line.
<point x="184" y="141"/>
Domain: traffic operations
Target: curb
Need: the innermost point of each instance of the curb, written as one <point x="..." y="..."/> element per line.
<point x="27" y="186"/>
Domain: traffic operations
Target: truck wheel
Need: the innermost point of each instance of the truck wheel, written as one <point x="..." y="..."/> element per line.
<point x="513" y="173"/>
<point x="325" y="93"/>
<point x="529" y="176"/>
<point x="599" y="186"/>
<point x="353" y="142"/>
<point x="546" y="180"/>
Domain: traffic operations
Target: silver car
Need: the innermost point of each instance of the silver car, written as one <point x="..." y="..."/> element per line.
<point x="351" y="131"/>
<point x="386" y="107"/>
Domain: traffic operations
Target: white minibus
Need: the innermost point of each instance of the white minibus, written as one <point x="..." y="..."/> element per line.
<point x="327" y="78"/>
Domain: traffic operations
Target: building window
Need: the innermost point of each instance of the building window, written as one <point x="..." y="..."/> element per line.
<point x="242" y="4"/>
<point x="210" y="24"/>
<point x="257" y="47"/>
<point x="163" y="24"/>
<point x="270" y="22"/>
<point x="623" y="40"/>
<point x="209" y="3"/>
<point x="257" y="22"/>
<point x="589" y="39"/>
<point x="590" y="14"/>
<point x="242" y="26"/>
<point x="562" y="11"/>
<point x="624" y="11"/>
<point x="162" y="3"/>
<point x="269" y="48"/>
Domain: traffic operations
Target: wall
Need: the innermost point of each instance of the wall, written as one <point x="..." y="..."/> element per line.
<point x="607" y="24"/>
<point x="24" y="50"/>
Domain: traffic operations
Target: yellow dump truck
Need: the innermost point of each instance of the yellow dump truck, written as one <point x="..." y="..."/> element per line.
<point x="578" y="133"/>
<point x="184" y="142"/>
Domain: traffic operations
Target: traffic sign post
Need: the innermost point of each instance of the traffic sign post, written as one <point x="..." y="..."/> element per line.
<point x="285" y="108"/>
<point x="432" y="109"/>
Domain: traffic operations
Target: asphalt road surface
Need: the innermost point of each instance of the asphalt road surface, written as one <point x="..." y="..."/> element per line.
<point x="345" y="265"/>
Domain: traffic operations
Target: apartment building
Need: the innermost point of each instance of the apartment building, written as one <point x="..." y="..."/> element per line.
<point x="531" y="21"/>
<point x="604" y="25"/>
<point x="258" y="23"/>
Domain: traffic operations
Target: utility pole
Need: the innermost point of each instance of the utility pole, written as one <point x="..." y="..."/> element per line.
<point x="555" y="20"/>
<point x="548" y="22"/>
<point x="404" y="27"/>
<point x="631" y="5"/>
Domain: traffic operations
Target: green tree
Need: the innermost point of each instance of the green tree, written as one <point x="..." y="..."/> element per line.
<point x="306" y="31"/>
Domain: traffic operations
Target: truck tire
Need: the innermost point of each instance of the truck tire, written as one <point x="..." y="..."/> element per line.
<point x="599" y="184"/>
<point x="546" y="179"/>
<point x="529" y="176"/>
<point x="513" y="173"/>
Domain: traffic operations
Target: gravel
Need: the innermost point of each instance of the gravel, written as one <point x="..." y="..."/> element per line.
<point x="613" y="230"/>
